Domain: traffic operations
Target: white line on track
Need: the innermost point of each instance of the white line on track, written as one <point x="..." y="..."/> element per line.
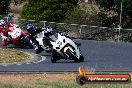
<point x="43" y="59"/>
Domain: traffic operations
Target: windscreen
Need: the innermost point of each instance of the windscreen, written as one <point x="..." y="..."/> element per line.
<point x="54" y="37"/>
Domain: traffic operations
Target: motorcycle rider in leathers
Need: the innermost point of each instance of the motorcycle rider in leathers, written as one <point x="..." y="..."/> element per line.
<point x="33" y="32"/>
<point x="46" y="40"/>
<point x="4" y="29"/>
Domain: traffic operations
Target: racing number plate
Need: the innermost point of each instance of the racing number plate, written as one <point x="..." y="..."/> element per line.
<point x="16" y="33"/>
<point x="59" y="43"/>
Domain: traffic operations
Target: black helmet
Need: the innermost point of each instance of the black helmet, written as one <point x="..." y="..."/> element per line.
<point x="48" y="31"/>
<point x="30" y="28"/>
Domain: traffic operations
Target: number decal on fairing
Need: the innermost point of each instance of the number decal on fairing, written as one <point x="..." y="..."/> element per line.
<point x="59" y="43"/>
<point x="16" y="33"/>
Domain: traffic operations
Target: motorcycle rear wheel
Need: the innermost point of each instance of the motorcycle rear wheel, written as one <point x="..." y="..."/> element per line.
<point x="54" y="56"/>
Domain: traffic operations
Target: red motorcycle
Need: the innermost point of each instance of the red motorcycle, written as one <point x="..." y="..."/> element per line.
<point x="18" y="37"/>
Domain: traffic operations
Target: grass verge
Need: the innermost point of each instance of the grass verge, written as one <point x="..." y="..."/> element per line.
<point x="49" y="81"/>
<point x="63" y="84"/>
<point x="10" y="56"/>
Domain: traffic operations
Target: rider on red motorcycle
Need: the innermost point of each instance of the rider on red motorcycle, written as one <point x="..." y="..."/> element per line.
<point x="4" y="32"/>
<point x="6" y="29"/>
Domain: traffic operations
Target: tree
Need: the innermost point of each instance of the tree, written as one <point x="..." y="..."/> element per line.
<point x="49" y="10"/>
<point x="4" y="7"/>
<point x="83" y="16"/>
<point x="110" y="12"/>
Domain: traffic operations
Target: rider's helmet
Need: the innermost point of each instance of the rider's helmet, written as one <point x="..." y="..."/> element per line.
<point x="30" y="28"/>
<point x="48" y="31"/>
<point x="2" y="22"/>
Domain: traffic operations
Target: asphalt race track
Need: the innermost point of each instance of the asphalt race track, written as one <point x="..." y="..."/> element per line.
<point x="99" y="55"/>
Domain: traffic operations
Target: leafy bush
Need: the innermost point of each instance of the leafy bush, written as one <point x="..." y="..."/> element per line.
<point x="49" y="10"/>
<point x="80" y="15"/>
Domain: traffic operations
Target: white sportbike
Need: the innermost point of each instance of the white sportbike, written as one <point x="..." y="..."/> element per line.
<point x="63" y="47"/>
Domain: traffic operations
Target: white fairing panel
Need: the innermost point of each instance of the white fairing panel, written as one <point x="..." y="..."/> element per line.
<point x="16" y="32"/>
<point x="40" y="38"/>
<point x="60" y="42"/>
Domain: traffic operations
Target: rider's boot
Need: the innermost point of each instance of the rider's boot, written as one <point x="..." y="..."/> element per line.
<point x="38" y="49"/>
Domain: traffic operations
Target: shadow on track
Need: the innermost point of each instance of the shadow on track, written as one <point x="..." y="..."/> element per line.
<point x="69" y="61"/>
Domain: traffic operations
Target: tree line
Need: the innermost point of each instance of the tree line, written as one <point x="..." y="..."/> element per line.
<point x="68" y="10"/>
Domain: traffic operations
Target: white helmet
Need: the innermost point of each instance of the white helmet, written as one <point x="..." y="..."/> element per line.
<point x="2" y="22"/>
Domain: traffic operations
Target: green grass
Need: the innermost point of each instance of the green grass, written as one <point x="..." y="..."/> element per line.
<point x="62" y="84"/>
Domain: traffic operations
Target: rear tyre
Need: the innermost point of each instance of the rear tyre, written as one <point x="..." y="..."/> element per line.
<point x="54" y="57"/>
<point x="25" y="42"/>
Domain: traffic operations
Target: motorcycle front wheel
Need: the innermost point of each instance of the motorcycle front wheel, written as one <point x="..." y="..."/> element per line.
<point x="71" y="55"/>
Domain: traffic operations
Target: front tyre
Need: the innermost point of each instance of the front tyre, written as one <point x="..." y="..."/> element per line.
<point x="81" y="58"/>
<point x="73" y="56"/>
<point x="25" y="42"/>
